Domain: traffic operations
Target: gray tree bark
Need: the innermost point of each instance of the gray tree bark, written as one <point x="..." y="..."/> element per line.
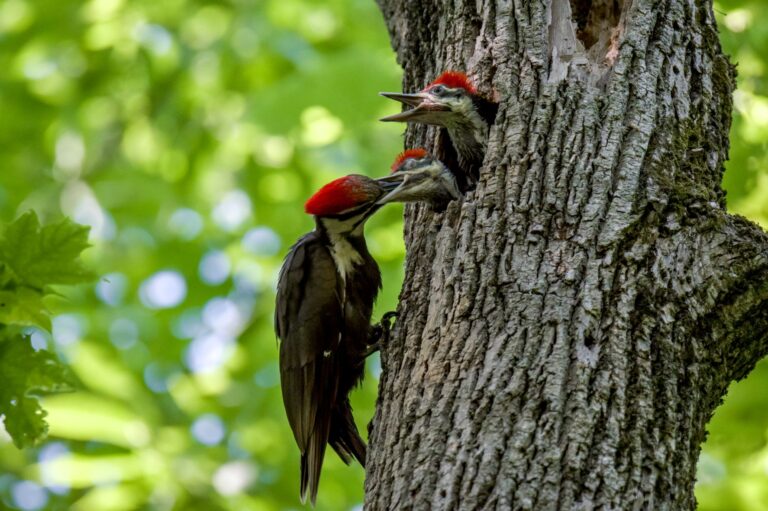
<point x="567" y="330"/>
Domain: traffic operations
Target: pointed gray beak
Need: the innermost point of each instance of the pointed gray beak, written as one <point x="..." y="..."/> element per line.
<point x="422" y="104"/>
<point x="394" y="195"/>
<point x="387" y="185"/>
<point x="394" y="184"/>
<point x="407" y="99"/>
<point x="410" y="189"/>
<point x="420" y="185"/>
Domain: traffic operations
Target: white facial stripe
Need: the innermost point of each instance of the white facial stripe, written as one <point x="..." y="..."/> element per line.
<point x="433" y="169"/>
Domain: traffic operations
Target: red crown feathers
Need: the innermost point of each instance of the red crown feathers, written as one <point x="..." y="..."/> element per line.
<point x="338" y="195"/>
<point x="417" y="153"/>
<point x="454" y="80"/>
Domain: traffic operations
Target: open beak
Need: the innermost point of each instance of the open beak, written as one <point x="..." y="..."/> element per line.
<point x="394" y="184"/>
<point x="421" y="103"/>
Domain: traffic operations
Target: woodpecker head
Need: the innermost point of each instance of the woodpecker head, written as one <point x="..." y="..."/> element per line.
<point x="344" y="204"/>
<point x="448" y="101"/>
<point x="419" y="177"/>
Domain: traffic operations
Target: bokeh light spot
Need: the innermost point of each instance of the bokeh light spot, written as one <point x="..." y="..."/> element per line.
<point x="273" y="151"/>
<point x="223" y="316"/>
<point x="186" y="223"/>
<point x="205" y="69"/>
<point x="249" y="276"/>
<point x="232" y="210"/>
<point x="208" y="352"/>
<point x="319" y="24"/>
<point x="35" y="64"/>
<point x="261" y="241"/>
<point x="267" y="377"/>
<point x="123" y="333"/>
<point x="15" y="15"/>
<point x="101" y="10"/>
<point x="80" y="203"/>
<point x="214" y="267"/>
<point x="154" y="37"/>
<point x="38" y="338"/>
<point x="234" y="477"/>
<point x="208" y="429"/>
<point x="189" y="324"/>
<point x="111" y="288"/>
<point x="319" y="127"/>
<point x="70" y="153"/>
<point x="157" y="376"/>
<point x="142" y="143"/>
<point x="29" y="495"/>
<point x="206" y="26"/>
<point x="164" y="289"/>
<point x="67" y="329"/>
<point x="738" y="20"/>
<point x="280" y="187"/>
<point x="98" y="112"/>
<point x="49" y="453"/>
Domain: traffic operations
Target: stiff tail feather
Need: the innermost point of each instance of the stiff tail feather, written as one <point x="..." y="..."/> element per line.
<point x="344" y="437"/>
<point x="312" y="462"/>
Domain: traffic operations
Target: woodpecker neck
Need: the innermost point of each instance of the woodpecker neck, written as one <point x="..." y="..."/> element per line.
<point x="469" y="133"/>
<point x="469" y="143"/>
<point x="344" y="237"/>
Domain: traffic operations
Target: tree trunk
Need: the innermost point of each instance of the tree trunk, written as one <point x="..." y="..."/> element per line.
<point x="567" y="330"/>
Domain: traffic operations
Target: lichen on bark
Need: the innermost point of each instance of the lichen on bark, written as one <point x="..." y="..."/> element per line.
<point x="567" y="330"/>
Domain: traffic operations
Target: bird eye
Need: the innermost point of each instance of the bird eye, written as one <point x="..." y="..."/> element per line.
<point x="438" y="89"/>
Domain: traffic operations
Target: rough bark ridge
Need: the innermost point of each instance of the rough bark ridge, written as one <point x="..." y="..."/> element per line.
<point x="567" y="330"/>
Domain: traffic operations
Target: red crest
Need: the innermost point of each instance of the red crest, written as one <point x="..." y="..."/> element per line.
<point x="339" y="195"/>
<point x="417" y="153"/>
<point x="454" y="80"/>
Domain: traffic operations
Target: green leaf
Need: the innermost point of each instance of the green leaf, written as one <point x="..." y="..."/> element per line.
<point x="40" y="256"/>
<point x="27" y="373"/>
<point x="24" y="307"/>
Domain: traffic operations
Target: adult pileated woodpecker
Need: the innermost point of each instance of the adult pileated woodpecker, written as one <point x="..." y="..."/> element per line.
<point x="325" y="296"/>
<point x="453" y="103"/>
<point x="421" y="178"/>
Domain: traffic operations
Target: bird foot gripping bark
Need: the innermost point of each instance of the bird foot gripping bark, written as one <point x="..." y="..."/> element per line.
<point x="380" y="333"/>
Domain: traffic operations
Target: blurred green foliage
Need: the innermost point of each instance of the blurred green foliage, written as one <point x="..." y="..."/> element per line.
<point x="187" y="134"/>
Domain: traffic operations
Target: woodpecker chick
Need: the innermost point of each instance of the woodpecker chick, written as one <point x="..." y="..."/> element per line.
<point x="325" y="295"/>
<point x="421" y="178"/>
<point x="453" y="103"/>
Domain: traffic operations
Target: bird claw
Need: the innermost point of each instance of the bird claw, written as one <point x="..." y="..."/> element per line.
<point x="387" y="317"/>
<point x="380" y="333"/>
<point x="386" y="324"/>
<point x="371" y="349"/>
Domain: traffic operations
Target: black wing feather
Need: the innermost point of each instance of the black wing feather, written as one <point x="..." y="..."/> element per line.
<point x="309" y="331"/>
